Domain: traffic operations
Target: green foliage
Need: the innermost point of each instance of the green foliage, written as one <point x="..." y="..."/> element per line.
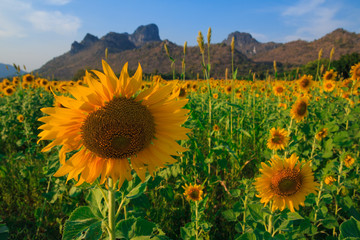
<point x="343" y="65"/>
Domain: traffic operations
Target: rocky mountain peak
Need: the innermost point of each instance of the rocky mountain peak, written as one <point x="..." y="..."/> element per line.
<point x="143" y="34"/>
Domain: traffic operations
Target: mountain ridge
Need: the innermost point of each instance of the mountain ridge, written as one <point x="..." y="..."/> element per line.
<point x="145" y="46"/>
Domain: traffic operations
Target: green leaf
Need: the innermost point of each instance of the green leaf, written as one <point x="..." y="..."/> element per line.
<point x="292" y="216"/>
<point x="138" y="190"/>
<point x="4" y="231"/>
<point x="188" y="232"/>
<point x="247" y="236"/>
<point x="230" y="215"/>
<point x="82" y="224"/>
<point x="330" y="222"/>
<point x="350" y="228"/>
<point x="135" y="229"/>
<point x="256" y="211"/>
<point x="96" y="202"/>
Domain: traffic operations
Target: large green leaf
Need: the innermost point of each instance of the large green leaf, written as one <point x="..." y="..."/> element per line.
<point x="350" y="228"/>
<point x="82" y="224"/>
<point x="96" y="202"/>
<point x="136" y="229"/>
<point x="4" y="231"/>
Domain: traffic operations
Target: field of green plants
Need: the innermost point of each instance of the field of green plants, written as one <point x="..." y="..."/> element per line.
<point x="214" y="158"/>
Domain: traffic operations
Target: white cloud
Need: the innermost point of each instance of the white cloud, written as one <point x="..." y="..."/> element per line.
<point x="57" y="2"/>
<point x="54" y="22"/>
<point x="312" y="19"/>
<point x="19" y="18"/>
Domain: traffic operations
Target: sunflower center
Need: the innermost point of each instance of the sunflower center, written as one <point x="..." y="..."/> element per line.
<point x="301" y="110"/>
<point x="280" y="89"/>
<point x="357" y="72"/>
<point x="120" y="129"/>
<point x="329" y="85"/>
<point x="329" y="76"/>
<point x="286" y="182"/>
<point x="194" y="194"/>
<point x="305" y="82"/>
<point x="277" y="138"/>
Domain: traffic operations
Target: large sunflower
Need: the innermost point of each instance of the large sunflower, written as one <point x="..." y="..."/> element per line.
<point x="278" y="139"/>
<point x="114" y="129"/>
<point x="285" y="182"/>
<point x="299" y="109"/>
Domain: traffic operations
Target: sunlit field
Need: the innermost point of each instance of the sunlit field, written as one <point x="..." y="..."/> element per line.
<point x="113" y="156"/>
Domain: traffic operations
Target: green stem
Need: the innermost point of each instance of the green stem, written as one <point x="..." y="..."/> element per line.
<point x="111" y="195"/>
<point x="196" y="220"/>
<point x="318" y="201"/>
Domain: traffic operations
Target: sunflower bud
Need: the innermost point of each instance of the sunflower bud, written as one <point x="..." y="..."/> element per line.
<point x="232" y="44"/>
<point x="209" y="35"/>
<point x="200" y="40"/>
<point x="166" y="49"/>
<point x="185" y="46"/>
<point x="320" y="54"/>
<point x="332" y="53"/>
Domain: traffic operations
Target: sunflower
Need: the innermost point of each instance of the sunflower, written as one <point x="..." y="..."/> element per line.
<point x="20" y="118"/>
<point x="44" y="82"/>
<point x="349" y="161"/>
<point x="305" y="82"/>
<point x="285" y="182"/>
<point x="15" y="81"/>
<point x="321" y="134"/>
<point x="355" y="71"/>
<point x="282" y="105"/>
<point x="279" y="90"/>
<point x="193" y="192"/>
<point x="329" y="180"/>
<point x="299" y="109"/>
<point x="215" y="96"/>
<point x="329" y="85"/>
<point x="329" y="75"/>
<point x="216" y="128"/>
<point x="114" y="129"/>
<point x="278" y="139"/>
<point x="228" y="89"/>
<point x="28" y="78"/>
<point x="6" y="82"/>
<point x="9" y="90"/>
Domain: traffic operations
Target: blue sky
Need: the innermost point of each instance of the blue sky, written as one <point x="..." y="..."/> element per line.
<point x="33" y="32"/>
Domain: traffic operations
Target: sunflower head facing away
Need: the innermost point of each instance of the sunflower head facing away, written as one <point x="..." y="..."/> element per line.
<point x="285" y="182"/>
<point x="115" y="128"/>
<point x="299" y="109"/>
<point x="349" y="161"/>
<point x="193" y="192"/>
<point x="278" y="139"/>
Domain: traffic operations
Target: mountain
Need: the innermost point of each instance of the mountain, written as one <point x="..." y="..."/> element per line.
<point x="248" y="45"/>
<point x="146" y="47"/>
<point x="7" y="70"/>
<point x="296" y="52"/>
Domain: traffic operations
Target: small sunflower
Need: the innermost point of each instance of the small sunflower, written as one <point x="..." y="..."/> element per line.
<point x="114" y="128"/>
<point x="228" y="89"/>
<point x="9" y="90"/>
<point x="355" y="71"/>
<point x="193" y="192"/>
<point x="349" y="161"/>
<point x="216" y="128"/>
<point x="299" y="109"/>
<point x="329" y="180"/>
<point x="279" y="90"/>
<point x="215" y="96"/>
<point x="285" y="182"/>
<point x="20" y="118"/>
<point x="278" y="139"/>
<point x="321" y="134"/>
<point x="282" y="105"/>
<point x="305" y="82"/>
<point x="329" y="86"/>
<point x="329" y="75"/>
<point x="28" y="78"/>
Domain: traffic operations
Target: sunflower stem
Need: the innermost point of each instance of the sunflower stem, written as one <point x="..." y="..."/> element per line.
<point x="196" y="220"/>
<point x="318" y="201"/>
<point x="111" y="195"/>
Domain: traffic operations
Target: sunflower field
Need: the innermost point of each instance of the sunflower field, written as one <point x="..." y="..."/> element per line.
<point x="114" y="156"/>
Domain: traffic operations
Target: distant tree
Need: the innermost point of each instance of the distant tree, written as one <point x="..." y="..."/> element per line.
<point x="343" y="65"/>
